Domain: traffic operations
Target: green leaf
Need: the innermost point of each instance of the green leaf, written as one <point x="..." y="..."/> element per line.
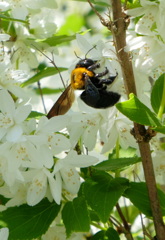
<point x="46" y="72"/>
<point x="12" y="19"/>
<point x="103" y="194"/>
<point x="127" y="157"/>
<point x="160" y="129"/>
<point x="110" y="234"/>
<point x="157" y="93"/>
<point x="136" y="111"/>
<point x="25" y="222"/>
<point x="138" y="195"/>
<point x="100" y="236"/>
<point x="116" y="163"/>
<point x="55" y="40"/>
<point x="93" y="216"/>
<point x="74" y="23"/>
<point x="48" y="90"/>
<point x="75" y="216"/>
<point x="36" y="115"/>
<point x="129" y="152"/>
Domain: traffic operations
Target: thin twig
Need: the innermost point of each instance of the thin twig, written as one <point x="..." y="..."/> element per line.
<point x="145" y="233"/>
<point x="42" y="98"/>
<point x="115" y="222"/>
<point x="120" y="228"/>
<point x="53" y="63"/>
<point x="102" y="20"/>
<point x="125" y="223"/>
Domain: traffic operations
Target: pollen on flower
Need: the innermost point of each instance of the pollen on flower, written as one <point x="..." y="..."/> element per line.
<point x="38" y="183"/>
<point x="50" y="138"/>
<point x="89" y="122"/>
<point x="22" y="153"/>
<point x="70" y="173"/>
<point x="124" y="130"/>
<point x="162" y="166"/>
<point x="66" y="193"/>
<point x="5" y="121"/>
<point x="160" y="169"/>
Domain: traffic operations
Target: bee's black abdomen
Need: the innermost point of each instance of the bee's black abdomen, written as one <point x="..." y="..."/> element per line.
<point x="103" y="99"/>
<point x="107" y="99"/>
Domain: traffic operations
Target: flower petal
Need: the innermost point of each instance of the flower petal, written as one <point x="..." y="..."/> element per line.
<point x="14" y="133"/>
<point x="56" y="187"/>
<point x="71" y="180"/>
<point x="37" y="189"/>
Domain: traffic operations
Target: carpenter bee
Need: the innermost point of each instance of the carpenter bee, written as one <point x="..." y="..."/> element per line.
<point x="95" y="93"/>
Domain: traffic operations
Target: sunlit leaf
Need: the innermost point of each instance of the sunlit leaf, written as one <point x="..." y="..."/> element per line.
<point x="157" y="93"/>
<point x="46" y="72"/>
<point x="136" y="111"/>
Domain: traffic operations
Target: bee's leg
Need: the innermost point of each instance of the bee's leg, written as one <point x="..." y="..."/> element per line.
<point x="108" y="80"/>
<point x="98" y="75"/>
<point x="94" y="66"/>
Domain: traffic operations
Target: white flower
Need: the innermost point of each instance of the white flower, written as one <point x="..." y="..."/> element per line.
<point x="55" y="124"/>
<point x="152" y="21"/>
<point x="58" y="231"/>
<point x="11" y="79"/>
<point x="66" y="174"/>
<point x="149" y="54"/>
<point x="4" y="5"/>
<point x="4" y="233"/>
<point x="4" y="37"/>
<point x="84" y="126"/>
<point x="22" y="52"/>
<point x="35" y="4"/>
<point x="119" y="129"/>
<point x="43" y="24"/>
<point x="150" y="12"/>
<point x="159" y="166"/>
<point x="48" y="133"/>
<point x="58" y="143"/>
<point x="102" y="52"/>
<point x="9" y="165"/>
<point x="161" y="19"/>
<point x="16" y="194"/>
<point x="18" y="8"/>
<point x="38" y="186"/>
<point x="11" y="117"/>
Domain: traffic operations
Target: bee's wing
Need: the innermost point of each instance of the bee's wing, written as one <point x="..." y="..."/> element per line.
<point x="63" y="104"/>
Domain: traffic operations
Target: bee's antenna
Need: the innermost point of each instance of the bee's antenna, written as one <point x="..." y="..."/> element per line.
<point x="86" y="53"/>
<point x="77" y="55"/>
<point x="90" y="50"/>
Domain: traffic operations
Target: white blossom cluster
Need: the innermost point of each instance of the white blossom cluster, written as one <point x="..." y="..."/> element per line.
<point x="38" y="157"/>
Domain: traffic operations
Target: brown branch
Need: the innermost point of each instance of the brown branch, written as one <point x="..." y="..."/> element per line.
<point x="120" y="229"/>
<point x="118" y="29"/>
